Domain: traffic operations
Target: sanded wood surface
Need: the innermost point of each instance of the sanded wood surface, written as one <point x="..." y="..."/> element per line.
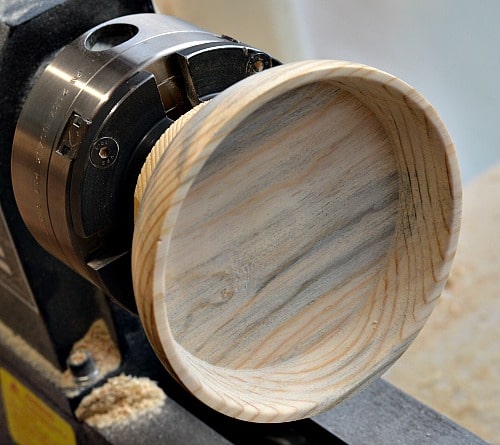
<point x="294" y="238"/>
<point x="454" y="365"/>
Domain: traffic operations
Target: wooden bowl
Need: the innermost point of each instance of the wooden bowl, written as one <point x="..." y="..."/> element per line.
<point x="294" y="238"/>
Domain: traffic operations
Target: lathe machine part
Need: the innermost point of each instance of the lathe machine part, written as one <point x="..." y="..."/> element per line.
<point x="91" y="119"/>
<point x="157" y="152"/>
<point x="294" y="238"/>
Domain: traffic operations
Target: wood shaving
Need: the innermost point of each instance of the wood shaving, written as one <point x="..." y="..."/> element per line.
<point x="100" y="344"/>
<point x="120" y="400"/>
<point x="97" y="341"/>
<point x="27" y="354"/>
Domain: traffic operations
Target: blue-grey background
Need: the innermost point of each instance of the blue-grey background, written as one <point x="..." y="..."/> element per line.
<point x="448" y="49"/>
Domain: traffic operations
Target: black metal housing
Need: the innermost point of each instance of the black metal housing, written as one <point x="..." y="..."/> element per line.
<point x="42" y="292"/>
<point x="81" y="137"/>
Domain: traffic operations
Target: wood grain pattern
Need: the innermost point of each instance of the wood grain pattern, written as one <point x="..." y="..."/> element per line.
<point x="453" y="364"/>
<point x="294" y="238"/>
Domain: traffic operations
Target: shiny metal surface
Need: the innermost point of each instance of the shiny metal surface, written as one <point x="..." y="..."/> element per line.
<point x="65" y="110"/>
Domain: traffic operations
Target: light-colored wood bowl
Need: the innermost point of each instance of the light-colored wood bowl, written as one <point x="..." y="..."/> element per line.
<point x="294" y="238"/>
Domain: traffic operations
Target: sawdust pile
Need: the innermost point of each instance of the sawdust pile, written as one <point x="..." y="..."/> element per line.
<point x="99" y="343"/>
<point x="106" y="355"/>
<point x="120" y="400"/>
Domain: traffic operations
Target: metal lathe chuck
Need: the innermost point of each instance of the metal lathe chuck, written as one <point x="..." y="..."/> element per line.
<point x="92" y="118"/>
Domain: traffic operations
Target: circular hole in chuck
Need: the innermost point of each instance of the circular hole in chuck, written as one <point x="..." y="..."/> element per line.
<point x="110" y="36"/>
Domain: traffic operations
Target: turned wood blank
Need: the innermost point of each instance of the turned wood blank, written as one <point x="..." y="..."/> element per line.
<point x="294" y="237"/>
